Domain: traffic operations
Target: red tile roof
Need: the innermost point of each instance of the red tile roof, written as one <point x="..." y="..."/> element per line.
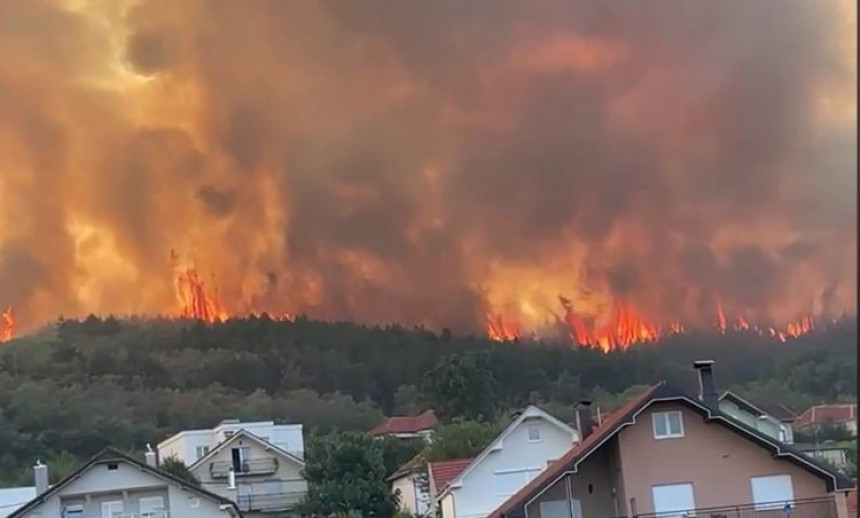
<point x="823" y="413"/>
<point x="410" y="424"/>
<point x="607" y="427"/>
<point x="445" y="471"/>
<point x="852" y="502"/>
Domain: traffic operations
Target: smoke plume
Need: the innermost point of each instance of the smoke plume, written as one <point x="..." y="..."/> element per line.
<point x="425" y="163"/>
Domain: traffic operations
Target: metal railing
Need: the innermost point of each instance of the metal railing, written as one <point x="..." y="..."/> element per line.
<point x="151" y="514"/>
<point x="824" y="507"/>
<point x="270" y="502"/>
<point x="261" y="466"/>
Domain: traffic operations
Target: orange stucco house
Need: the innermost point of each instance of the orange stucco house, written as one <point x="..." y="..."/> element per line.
<point x="669" y="454"/>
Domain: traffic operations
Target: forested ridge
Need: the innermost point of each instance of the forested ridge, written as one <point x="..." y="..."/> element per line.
<point x="73" y="388"/>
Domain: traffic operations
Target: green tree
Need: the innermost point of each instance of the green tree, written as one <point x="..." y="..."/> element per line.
<point x="346" y="472"/>
<point x="460" y="439"/>
<point x="178" y="469"/>
<point x="461" y="387"/>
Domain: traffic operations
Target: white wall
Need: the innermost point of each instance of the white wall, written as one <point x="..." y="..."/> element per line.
<point x="184" y="444"/>
<point x="481" y="492"/>
<point x="99" y="482"/>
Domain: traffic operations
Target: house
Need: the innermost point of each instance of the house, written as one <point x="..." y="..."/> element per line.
<point x="407" y="427"/>
<point x="667" y="453"/>
<point x="113" y="484"/>
<point x="831" y="452"/>
<point x="755" y="416"/>
<point x="510" y="461"/>
<point x="11" y="498"/>
<point x="418" y="483"/>
<point x="260" y="477"/>
<point x="839" y="415"/>
<point x="191" y="445"/>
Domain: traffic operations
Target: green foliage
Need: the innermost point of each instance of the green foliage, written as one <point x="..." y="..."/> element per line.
<point x="346" y="472"/>
<point x="851" y="459"/>
<point x="461" y="386"/>
<point x="178" y="469"/>
<point x="460" y="439"/>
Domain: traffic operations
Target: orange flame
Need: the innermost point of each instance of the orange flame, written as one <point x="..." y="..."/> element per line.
<point x="193" y="299"/>
<point x="7" y="329"/>
<point x="628" y="326"/>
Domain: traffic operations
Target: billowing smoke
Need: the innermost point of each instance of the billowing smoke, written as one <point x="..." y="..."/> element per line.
<point x="425" y="162"/>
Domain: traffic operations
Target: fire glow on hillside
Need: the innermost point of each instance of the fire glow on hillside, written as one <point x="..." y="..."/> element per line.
<point x="663" y="169"/>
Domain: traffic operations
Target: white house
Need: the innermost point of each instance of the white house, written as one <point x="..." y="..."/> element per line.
<point x="112" y="485"/>
<point x="518" y="454"/>
<point x="263" y="479"/>
<point x="191" y="445"/>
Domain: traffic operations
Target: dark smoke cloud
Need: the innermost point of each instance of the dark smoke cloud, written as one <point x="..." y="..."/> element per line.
<point x="385" y="161"/>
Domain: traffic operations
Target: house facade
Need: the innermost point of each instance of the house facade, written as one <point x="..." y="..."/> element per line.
<point x="669" y="454"/>
<point x="756" y="417"/>
<point x="114" y="485"/>
<point x="261" y="478"/>
<point x="191" y="445"/>
<point x="515" y="457"/>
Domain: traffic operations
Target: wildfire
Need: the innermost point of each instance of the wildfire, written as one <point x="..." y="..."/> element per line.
<point x="627" y="326"/>
<point x="194" y="301"/>
<point x="7" y="325"/>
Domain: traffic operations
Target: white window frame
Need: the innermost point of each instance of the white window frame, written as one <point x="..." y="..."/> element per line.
<point x="154" y="512"/>
<point x="74" y="508"/>
<point x="665" y="416"/>
<point x="761" y="505"/>
<point x="202" y="451"/>
<point x="111" y="506"/>
<point x="534" y="426"/>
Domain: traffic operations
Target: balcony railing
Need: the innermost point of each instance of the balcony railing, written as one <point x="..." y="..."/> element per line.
<point x="271" y="502"/>
<point x="811" y="508"/>
<point x="152" y="514"/>
<point x="262" y="466"/>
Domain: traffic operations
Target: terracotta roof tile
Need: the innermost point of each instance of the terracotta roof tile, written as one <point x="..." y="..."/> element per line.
<point x="407" y="424"/>
<point x="445" y="471"/>
<point x="823" y="413"/>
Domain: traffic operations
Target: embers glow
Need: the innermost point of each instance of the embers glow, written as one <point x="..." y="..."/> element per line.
<point x="7" y="325"/>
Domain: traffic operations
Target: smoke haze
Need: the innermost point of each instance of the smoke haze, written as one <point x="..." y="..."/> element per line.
<point x="425" y="163"/>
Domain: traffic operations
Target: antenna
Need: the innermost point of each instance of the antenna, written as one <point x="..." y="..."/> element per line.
<point x="148" y="448"/>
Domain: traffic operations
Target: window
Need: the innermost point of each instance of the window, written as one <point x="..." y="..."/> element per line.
<point x="773" y="492"/>
<point x="668" y="425"/>
<point x="534" y="433"/>
<point x="113" y="466"/>
<point x="150" y="506"/>
<point x="202" y="451"/>
<point x="673" y="501"/>
<point x="112" y="509"/>
<point x="73" y="511"/>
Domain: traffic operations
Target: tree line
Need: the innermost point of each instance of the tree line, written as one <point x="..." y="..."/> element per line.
<point x="77" y="386"/>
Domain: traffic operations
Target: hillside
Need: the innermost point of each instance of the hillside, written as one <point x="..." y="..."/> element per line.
<point x="75" y="387"/>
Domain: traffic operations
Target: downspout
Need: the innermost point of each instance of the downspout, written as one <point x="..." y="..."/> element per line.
<point x="569" y="497"/>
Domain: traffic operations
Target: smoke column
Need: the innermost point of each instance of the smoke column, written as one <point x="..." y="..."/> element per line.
<point x="423" y="162"/>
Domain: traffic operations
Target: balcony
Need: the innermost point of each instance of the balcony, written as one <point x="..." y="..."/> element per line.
<point x="812" y="508"/>
<point x="261" y="466"/>
<point x="270" y="502"/>
<point x="152" y="514"/>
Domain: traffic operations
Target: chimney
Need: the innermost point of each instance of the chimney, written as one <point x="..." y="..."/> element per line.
<point x="40" y="476"/>
<point x="584" y="423"/>
<point x="150" y="457"/>
<point x="707" y="389"/>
